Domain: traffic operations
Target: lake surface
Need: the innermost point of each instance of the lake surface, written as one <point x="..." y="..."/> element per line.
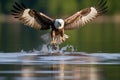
<point x="59" y="66"/>
<point x="94" y="54"/>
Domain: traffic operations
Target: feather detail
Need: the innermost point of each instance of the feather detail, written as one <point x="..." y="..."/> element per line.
<point x="86" y="15"/>
<point x="90" y="16"/>
<point x="31" y="18"/>
<point x="48" y="39"/>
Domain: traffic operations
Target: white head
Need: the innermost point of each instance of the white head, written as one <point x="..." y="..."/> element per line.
<point x="59" y="23"/>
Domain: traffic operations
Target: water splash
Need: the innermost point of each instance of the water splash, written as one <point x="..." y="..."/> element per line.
<point x="49" y="49"/>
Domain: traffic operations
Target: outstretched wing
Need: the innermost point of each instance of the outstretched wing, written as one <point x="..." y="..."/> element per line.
<point x="84" y="16"/>
<point x="31" y="17"/>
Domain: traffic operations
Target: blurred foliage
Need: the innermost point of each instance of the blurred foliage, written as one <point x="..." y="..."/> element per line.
<point x="57" y="7"/>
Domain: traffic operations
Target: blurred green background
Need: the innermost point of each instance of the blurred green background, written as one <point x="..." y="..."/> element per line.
<point x="102" y="35"/>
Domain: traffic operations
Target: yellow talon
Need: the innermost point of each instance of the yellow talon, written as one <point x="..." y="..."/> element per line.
<point x="62" y="39"/>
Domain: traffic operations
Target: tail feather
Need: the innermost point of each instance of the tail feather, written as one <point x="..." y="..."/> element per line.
<point x="47" y="38"/>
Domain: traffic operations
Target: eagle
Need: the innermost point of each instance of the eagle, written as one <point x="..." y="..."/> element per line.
<point x="39" y="20"/>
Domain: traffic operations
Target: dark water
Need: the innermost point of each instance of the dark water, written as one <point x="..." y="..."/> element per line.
<point x="59" y="66"/>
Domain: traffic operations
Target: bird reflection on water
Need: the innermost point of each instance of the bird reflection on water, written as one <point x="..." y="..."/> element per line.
<point x="59" y="67"/>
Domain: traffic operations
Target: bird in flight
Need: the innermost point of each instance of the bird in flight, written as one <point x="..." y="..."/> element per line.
<point x="39" y="20"/>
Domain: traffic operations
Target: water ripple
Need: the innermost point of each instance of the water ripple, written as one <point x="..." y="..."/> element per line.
<point x="36" y="58"/>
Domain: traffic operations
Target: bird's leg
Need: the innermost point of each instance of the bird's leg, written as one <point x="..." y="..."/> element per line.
<point x="62" y="35"/>
<point x="53" y="37"/>
<point x="53" y="41"/>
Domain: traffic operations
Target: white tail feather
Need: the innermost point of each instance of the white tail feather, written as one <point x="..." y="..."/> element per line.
<point x="47" y="38"/>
